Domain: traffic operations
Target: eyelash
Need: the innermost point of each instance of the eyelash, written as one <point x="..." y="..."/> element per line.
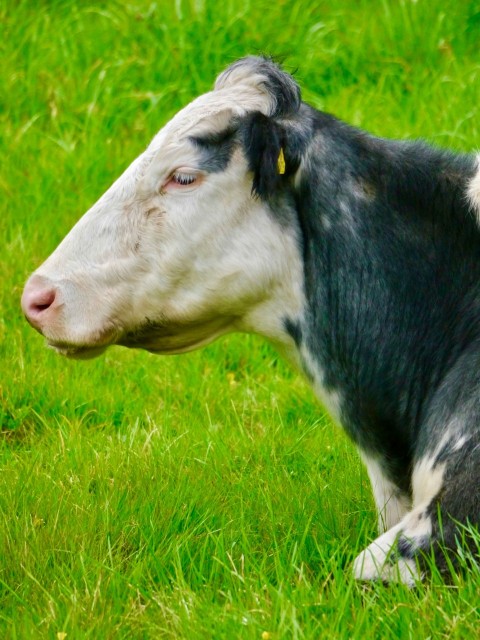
<point x="183" y="179"/>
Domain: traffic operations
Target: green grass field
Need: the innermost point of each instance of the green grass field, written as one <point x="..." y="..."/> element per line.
<point x="206" y="495"/>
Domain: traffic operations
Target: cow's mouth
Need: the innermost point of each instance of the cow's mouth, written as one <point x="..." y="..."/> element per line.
<point x="84" y="348"/>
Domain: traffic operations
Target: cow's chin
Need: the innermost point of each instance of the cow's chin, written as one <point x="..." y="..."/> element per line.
<point x="84" y="347"/>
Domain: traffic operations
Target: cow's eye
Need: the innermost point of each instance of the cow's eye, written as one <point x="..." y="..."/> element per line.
<point x="183" y="179"/>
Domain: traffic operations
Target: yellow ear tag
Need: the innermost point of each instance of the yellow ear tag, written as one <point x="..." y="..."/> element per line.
<point x="281" y="163"/>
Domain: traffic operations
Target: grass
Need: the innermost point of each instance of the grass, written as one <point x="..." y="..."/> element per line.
<point x="200" y="496"/>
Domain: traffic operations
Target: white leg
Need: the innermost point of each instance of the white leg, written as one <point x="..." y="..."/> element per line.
<point x="391" y="557"/>
<point x="392" y="504"/>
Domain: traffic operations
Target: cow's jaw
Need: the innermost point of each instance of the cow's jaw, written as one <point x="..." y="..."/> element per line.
<point x="173" y="338"/>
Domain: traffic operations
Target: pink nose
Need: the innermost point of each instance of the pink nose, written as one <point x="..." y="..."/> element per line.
<point x="38" y="301"/>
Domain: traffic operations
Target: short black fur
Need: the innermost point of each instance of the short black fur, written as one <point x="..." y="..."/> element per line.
<point x="391" y="251"/>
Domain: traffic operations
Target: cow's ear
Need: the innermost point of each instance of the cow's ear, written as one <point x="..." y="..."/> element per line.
<point x="264" y="146"/>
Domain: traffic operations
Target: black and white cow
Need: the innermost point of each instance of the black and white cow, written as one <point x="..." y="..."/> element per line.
<point x="358" y="257"/>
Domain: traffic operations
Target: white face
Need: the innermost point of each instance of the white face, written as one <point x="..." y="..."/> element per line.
<point x="175" y="253"/>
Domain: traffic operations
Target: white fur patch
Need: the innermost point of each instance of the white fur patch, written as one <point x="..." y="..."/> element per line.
<point x="427" y="477"/>
<point x="427" y="480"/>
<point x="461" y="441"/>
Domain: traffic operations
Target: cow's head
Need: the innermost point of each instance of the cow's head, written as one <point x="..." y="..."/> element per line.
<point x="193" y="240"/>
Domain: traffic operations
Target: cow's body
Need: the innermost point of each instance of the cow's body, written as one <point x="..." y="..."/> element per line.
<point x="360" y="261"/>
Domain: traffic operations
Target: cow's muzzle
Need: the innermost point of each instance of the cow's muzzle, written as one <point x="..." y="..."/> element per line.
<point x="40" y="302"/>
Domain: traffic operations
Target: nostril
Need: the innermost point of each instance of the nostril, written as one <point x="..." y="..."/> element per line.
<point x="40" y="301"/>
<point x="38" y="297"/>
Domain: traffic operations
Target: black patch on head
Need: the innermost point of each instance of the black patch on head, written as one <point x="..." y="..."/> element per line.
<point x="216" y="149"/>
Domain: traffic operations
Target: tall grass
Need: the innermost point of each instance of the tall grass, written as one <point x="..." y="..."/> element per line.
<point x="202" y="496"/>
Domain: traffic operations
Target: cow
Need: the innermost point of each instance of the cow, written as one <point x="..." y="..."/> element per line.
<point x="357" y="257"/>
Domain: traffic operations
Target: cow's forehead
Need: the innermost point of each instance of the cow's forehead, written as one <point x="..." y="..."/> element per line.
<point x="205" y="112"/>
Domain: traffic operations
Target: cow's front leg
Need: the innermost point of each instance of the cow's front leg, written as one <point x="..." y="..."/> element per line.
<point x="445" y="483"/>
<point x="381" y="560"/>
<point x="392" y="503"/>
<point x="392" y="557"/>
